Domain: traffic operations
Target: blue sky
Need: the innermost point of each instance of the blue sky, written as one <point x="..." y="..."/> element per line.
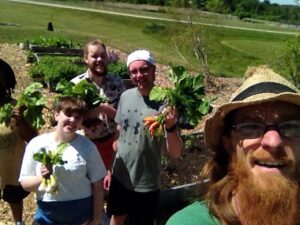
<point x="285" y="2"/>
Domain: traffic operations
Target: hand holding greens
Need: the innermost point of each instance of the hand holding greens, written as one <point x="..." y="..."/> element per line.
<point x="49" y="184"/>
<point x="33" y="103"/>
<point x="187" y="95"/>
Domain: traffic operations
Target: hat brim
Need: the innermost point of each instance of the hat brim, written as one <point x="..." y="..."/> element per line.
<point x="214" y="125"/>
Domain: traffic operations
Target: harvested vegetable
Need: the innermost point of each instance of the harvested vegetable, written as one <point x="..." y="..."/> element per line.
<point x="84" y="90"/>
<point x="187" y="95"/>
<point x="154" y="124"/>
<point x="32" y="101"/>
<point x="49" y="184"/>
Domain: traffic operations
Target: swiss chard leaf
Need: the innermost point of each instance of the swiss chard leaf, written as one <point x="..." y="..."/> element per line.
<point x="187" y="95"/>
<point x="158" y="93"/>
<point x="51" y="157"/>
<point x="84" y="90"/>
<point x="6" y="112"/>
<point x="33" y="101"/>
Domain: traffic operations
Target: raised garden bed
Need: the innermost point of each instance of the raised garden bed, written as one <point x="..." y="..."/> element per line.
<point x="39" y="51"/>
<point x="55" y="50"/>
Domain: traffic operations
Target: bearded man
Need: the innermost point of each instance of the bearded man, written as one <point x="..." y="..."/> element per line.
<point x="254" y="169"/>
<point x="99" y="124"/>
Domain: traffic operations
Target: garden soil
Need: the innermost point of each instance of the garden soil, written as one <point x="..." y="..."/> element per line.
<point x="174" y="172"/>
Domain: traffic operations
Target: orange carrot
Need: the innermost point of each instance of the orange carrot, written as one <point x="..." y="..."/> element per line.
<point x="149" y="118"/>
<point x="148" y="123"/>
<point x="151" y="132"/>
<point x="153" y="126"/>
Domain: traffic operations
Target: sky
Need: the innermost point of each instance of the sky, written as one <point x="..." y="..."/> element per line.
<point x="284" y="2"/>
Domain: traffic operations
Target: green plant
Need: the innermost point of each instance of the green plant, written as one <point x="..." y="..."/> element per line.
<point x="32" y="102"/>
<point x="119" y="69"/>
<point x="54" y="69"/>
<point x="30" y="57"/>
<point x="84" y="90"/>
<point x="187" y="95"/>
<point x="60" y="42"/>
<point x="50" y="158"/>
<point x="36" y="71"/>
<point x="153" y="27"/>
<point x="288" y="62"/>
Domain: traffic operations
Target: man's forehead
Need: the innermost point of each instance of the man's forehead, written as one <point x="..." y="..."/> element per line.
<point x="96" y="47"/>
<point x="274" y="110"/>
<point x="138" y="63"/>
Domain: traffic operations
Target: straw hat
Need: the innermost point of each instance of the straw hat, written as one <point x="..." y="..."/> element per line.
<point x="263" y="85"/>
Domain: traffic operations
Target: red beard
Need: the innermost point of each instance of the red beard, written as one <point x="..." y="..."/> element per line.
<point x="267" y="199"/>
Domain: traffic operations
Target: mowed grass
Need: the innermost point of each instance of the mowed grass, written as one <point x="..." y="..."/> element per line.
<point x="230" y="51"/>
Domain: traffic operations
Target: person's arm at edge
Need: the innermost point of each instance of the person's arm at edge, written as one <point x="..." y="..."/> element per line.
<point x="174" y="141"/>
<point x="25" y="131"/>
<point x="98" y="196"/>
<point x="107" y="178"/>
<point x="31" y="183"/>
<point x="174" y="144"/>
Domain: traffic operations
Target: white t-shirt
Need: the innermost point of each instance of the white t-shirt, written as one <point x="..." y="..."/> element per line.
<point x="83" y="166"/>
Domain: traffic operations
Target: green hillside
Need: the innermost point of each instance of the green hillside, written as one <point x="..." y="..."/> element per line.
<point x="229" y="50"/>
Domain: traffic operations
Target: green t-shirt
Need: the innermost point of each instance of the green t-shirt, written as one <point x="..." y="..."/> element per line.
<point x="194" y="214"/>
<point x="138" y="160"/>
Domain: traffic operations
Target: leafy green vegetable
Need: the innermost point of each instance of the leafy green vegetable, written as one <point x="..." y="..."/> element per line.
<point x="54" y="42"/>
<point x="54" y="69"/>
<point x="6" y="112"/>
<point x="84" y="90"/>
<point x="187" y="95"/>
<point x="33" y="103"/>
<point x="54" y="157"/>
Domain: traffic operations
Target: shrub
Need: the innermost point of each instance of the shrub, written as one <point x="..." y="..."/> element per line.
<point x="30" y="57"/>
<point x="37" y="71"/>
<point x="153" y="27"/>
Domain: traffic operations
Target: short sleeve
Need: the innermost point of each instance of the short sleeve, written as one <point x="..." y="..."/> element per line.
<point x="95" y="166"/>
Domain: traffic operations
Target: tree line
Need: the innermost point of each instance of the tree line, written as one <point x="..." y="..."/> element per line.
<point x="255" y="9"/>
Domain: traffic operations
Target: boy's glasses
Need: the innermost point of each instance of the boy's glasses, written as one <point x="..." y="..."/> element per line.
<point x="251" y="130"/>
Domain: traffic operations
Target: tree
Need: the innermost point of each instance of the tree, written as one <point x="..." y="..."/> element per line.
<point x="288" y="62"/>
<point x="193" y="40"/>
<point x="216" y="6"/>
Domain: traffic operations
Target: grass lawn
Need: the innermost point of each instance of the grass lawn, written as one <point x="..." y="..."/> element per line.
<point x="229" y="51"/>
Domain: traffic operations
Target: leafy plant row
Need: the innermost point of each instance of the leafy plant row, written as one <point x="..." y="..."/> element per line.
<point x="52" y="69"/>
<point x="59" y="42"/>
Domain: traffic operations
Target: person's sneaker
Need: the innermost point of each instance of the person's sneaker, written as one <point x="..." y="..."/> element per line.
<point x="19" y="223"/>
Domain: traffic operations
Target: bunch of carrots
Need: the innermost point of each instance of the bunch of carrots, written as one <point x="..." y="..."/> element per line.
<point x="154" y="124"/>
